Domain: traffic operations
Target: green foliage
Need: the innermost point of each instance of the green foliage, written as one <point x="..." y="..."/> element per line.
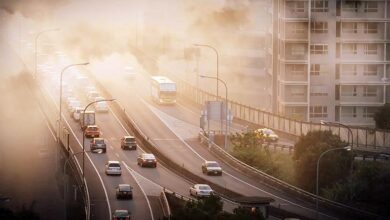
<point x="382" y="117"/>
<point x="211" y="209"/>
<point x="369" y="184"/>
<point x="251" y="148"/>
<point x="334" y="166"/>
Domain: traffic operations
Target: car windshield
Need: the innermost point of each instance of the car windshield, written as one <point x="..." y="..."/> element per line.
<point x="149" y="157"/>
<point x="204" y="188"/>
<point x="212" y="164"/>
<point x="93" y="128"/>
<point x="268" y="132"/>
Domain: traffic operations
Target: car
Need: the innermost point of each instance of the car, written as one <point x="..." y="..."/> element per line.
<point x="130" y="72"/>
<point x="92" y="131"/>
<point x="76" y="113"/>
<point x="147" y="160"/>
<point x="70" y="99"/>
<point x="211" y="168"/>
<point x="128" y="142"/>
<point x="113" y="167"/>
<point x="73" y="104"/>
<point x="201" y="190"/>
<point x="124" y="191"/>
<point x="267" y="134"/>
<point x="92" y="95"/>
<point x="98" y="144"/>
<point x="121" y="214"/>
<point x="101" y="106"/>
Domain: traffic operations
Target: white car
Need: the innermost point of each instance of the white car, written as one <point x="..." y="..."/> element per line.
<point x="92" y="95"/>
<point x="101" y="107"/>
<point x="211" y="168"/>
<point x="76" y="113"/>
<point x="113" y="167"/>
<point x="74" y="104"/>
<point x="201" y="190"/>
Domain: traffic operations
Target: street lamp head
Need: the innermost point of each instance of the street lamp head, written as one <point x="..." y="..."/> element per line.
<point x="348" y="148"/>
<point x="323" y="122"/>
<point x="86" y="63"/>
<point x="203" y="76"/>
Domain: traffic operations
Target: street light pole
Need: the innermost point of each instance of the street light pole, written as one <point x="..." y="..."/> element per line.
<point x="85" y="109"/>
<point x="36" y="46"/>
<point x="216" y="52"/>
<point x="349" y="130"/>
<point x="62" y="72"/>
<point x="348" y="148"/>
<point x="226" y="105"/>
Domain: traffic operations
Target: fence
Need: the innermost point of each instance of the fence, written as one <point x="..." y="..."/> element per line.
<point x="364" y="139"/>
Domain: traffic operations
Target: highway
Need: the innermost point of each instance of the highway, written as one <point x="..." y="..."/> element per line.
<point x="173" y="129"/>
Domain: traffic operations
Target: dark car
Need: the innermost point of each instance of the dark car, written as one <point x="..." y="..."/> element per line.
<point x="121" y="214"/>
<point x="124" y="191"/>
<point x="128" y="143"/>
<point x="147" y="160"/>
<point x="211" y="168"/>
<point x="98" y="144"/>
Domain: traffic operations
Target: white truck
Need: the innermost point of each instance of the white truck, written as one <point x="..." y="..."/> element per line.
<point x="87" y="118"/>
<point x="163" y="90"/>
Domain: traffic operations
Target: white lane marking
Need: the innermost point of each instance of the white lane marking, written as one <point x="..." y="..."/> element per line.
<point x="165" y="139"/>
<point x="142" y="190"/>
<point x="47" y="125"/>
<point x="151" y="181"/>
<point x="242" y="181"/>
<point x="100" y="178"/>
<point x="117" y="155"/>
<point x="111" y="147"/>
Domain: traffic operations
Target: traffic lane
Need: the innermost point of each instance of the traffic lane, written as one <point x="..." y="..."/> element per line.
<point x="159" y="175"/>
<point x="141" y="208"/>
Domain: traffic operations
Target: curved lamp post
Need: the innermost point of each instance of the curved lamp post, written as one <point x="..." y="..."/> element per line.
<point x="216" y="52"/>
<point x="62" y="72"/>
<point x="348" y="148"/>
<point x="85" y="109"/>
<point x="226" y="104"/>
<point x="36" y="45"/>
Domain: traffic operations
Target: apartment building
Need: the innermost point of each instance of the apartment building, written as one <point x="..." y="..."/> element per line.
<point x="330" y="59"/>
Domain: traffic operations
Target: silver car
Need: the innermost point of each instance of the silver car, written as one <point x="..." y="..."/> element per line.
<point x="113" y="167"/>
<point x="201" y="190"/>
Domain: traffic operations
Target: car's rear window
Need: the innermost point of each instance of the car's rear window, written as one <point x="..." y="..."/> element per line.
<point x="93" y="128"/>
<point x="130" y="140"/>
<point x="124" y="188"/>
<point x="212" y="165"/>
<point x="114" y="165"/>
<point x="99" y="141"/>
<point x="204" y="188"/>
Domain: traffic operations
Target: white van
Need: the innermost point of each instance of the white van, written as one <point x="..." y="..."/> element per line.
<point x="101" y="107"/>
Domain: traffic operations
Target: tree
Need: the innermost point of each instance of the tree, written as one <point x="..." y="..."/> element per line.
<point x="334" y="166"/>
<point x="382" y="117"/>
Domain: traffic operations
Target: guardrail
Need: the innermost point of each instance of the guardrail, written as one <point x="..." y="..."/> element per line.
<point x="364" y="138"/>
<point x="165" y="205"/>
<point x="276" y="183"/>
<point x="46" y="104"/>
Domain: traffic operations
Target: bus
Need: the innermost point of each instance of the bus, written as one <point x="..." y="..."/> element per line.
<point x="163" y="90"/>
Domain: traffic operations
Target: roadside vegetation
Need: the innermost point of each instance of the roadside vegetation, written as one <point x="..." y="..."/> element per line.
<point x="211" y="209"/>
<point x="366" y="185"/>
<point x="382" y="117"/>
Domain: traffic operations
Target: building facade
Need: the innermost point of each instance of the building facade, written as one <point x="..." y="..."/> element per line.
<point x="330" y="59"/>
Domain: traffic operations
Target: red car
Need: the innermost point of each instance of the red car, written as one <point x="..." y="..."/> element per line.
<point x="92" y="131"/>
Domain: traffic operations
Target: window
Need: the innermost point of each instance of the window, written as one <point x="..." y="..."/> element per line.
<point x="319" y="49"/>
<point x="319" y="5"/>
<point x="349" y="27"/>
<point x="298" y="28"/>
<point x="371" y="28"/>
<point x="369" y="112"/>
<point x="297" y="50"/>
<point x="318" y="69"/>
<point x="318" y="111"/>
<point x="298" y="70"/>
<point x="370" y="6"/>
<point x="318" y="90"/>
<point x="297" y="91"/>
<point x="370" y="70"/>
<point x="349" y="112"/>
<point x="371" y="49"/>
<point x="350" y="6"/>
<point x="299" y="6"/>
<point x="370" y="91"/>
<point x="348" y="91"/>
<point x="319" y="27"/>
<point x="349" y="70"/>
<point x="349" y="49"/>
